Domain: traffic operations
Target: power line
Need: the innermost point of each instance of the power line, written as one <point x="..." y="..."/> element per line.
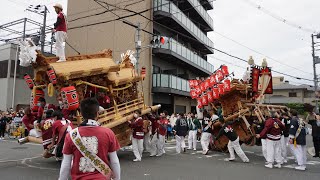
<point x="279" y="18"/>
<point x="261" y="53"/>
<point x="191" y="38"/>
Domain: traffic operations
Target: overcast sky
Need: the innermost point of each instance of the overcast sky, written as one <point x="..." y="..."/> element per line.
<point x="244" y="24"/>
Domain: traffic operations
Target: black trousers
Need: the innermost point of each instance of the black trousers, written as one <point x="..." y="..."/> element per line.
<point x="2" y="130"/>
<point x="316" y="144"/>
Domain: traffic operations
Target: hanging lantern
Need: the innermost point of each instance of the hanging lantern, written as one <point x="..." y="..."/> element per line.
<point x="35" y="98"/>
<point x="70" y="98"/>
<point x="215" y="93"/>
<point x="202" y="87"/>
<point x="221" y="89"/>
<point x="52" y="76"/>
<point x="224" y="70"/>
<point x="219" y="75"/>
<point x="143" y="72"/>
<point x="210" y="96"/>
<point x="193" y="93"/>
<point x="29" y="81"/>
<point x="213" y="80"/>
<point x="198" y="90"/>
<point x="199" y="100"/>
<point x="207" y="83"/>
<point x="227" y="85"/>
<point x="195" y="83"/>
<point x="191" y="83"/>
<point x="204" y="100"/>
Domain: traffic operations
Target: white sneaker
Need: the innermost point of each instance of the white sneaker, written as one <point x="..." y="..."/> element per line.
<point x="269" y="165"/>
<point x="136" y="160"/>
<point x="285" y="161"/>
<point x="277" y="165"/>
<point x="61" y="60"/>
<point x="300" y="168"/>
<point x="152" y="155"/>
<point x="205" y="152"/>
<point x="229" y="159"/>
<point x="158" y="155"/>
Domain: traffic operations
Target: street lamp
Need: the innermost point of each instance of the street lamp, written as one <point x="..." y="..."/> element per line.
<point x="41" y="10"/>
<point x="316" y="60"/>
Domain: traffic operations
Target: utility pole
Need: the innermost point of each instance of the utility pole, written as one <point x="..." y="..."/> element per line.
<point x="43" y="12"/>
<point x="315" y="79"/>
<point x="138" y="45"/>
<point x="43" y="30"/>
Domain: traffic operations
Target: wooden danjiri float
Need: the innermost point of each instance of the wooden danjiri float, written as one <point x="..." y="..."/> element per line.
<point x="236" y="100"/>
<point x="73" y="80"/>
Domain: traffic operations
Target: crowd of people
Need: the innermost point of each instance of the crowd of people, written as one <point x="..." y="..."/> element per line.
<point x="280" y="131"/>
<point x="11" y="125"/>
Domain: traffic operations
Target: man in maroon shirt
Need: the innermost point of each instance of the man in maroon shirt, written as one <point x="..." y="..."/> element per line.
<point x="28" y="119"/>
<point x="60" y="29"/>
<point x="272" y="132"/>
<point x="137" y="135"/>
<point x="158" y="139"/>
<point x="97" y="145"/>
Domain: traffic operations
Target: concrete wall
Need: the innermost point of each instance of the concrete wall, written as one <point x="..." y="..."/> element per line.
<point x="114" y="35"/>
<point x="5" y="52"/>
<point x="3" y="94"/>
<point x="182" y="101"/>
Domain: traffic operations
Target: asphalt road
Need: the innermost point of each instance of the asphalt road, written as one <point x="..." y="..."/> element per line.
<point x="24" y="162"/>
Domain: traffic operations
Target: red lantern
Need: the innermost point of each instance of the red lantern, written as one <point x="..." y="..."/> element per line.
<point x="227" y="86"/>
<point x="195" y="83"/>
<point x="207" y="83"/>
<point x="215" y="93"/>
<point x="191" y="83"/>
<point x="143" y="72"/>
<point x="224" y="70"/>
<point x="213" y="80"/>
<point x="35" y="98"/>
<point x="199" y="100"/>
<point x="204" y="100"/>
<point x="198" y="90"/>
<point x="219" y="75"/>
<point x="70" y="98"/>
<point x="210" y="96"/>
<point x="52" y="76"/>
<point x="193" y="94"/>
<point x="202" y="87"/>
<point x="29" y="81"/>
<point x="221" y="89"/>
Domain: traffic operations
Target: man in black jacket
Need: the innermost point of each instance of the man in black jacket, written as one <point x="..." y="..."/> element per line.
<point x="285" y="136"/>
<point x="297" y="135"/>
<point x="3" y="123"/>
<point x="233" y="144"/>
<point x="181" y="130"/>
<point x="314" y="120"/>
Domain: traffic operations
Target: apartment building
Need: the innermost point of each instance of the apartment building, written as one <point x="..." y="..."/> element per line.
<point x="183" y="24"/>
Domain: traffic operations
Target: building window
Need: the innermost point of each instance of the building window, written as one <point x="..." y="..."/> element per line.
<point x="3" y="69"/>
<point x="292" y="94"/>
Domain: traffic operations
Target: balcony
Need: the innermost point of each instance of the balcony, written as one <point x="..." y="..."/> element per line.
<point x="184" y="56"/>
<point x="208" y="4"/>
<point x="198" y="14"/>
<point x="166" y="83"/>
<point x="168" y="14"/>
